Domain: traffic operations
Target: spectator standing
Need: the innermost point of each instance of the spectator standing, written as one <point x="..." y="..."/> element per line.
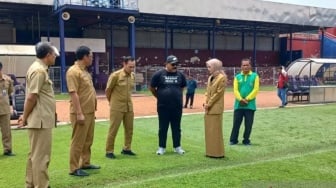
<point x="282" y="85"/>
<point x="167" y="86"/>
<point x="245" y="87"/>
<point x="6" y="88"/>
<point x="39" y="115"/>
<point x="83" y="104"/>
<point x="191" y="87"/>
<point x="118" y="92"/>
<point x="214" y="107"/>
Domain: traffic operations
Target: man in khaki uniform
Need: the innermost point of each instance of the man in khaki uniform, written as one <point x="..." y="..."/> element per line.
<point x="118" y="92"/>
<point x="39" y="115"/>
<point x="6" y="88"/>
<point x="83" y="104"/>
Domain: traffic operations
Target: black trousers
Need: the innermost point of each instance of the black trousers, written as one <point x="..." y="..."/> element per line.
<point x="172" y="117"/>
<point x="238" y="116"/>
<point x="191" y="97"/>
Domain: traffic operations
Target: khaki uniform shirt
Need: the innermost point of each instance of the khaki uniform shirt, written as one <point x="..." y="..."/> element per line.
<point x="121" y="85"/>
<point x="79" y="80"/>
<point x="6" y="88"/>
<point x="38" y="82"/>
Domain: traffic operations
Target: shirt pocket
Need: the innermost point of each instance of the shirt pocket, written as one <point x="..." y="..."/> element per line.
<point x="6" y="88"/>
<point x="48" y="86"/>
<point x="87" y="80"/>
<point x="122" y="82"/>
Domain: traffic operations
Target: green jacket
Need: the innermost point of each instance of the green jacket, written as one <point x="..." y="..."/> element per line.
<point x="246" y="86"/>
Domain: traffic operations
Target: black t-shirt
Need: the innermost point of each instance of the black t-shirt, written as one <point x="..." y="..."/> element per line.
<point x="169" y="88"/>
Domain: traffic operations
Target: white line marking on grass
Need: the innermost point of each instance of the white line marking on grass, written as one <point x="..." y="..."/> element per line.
<point x="226" y="111"/>
<point x="211" y="169"/>
<point x="200" y="113"/>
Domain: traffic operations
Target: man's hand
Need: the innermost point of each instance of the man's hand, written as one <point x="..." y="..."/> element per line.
<point x="80" y="119"/>
<point x="22" y="122"/>
<point x="243" y="102"/>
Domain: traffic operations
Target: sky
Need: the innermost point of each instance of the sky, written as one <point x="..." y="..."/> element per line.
<point x="315" y="3"/>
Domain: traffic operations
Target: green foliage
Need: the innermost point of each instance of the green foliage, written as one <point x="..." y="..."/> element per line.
<point x="292" y="147"/>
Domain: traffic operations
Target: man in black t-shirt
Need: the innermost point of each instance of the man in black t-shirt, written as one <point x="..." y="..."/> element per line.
<point x="167" y="86"/>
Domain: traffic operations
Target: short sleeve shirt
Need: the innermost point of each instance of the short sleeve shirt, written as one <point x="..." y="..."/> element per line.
<point x="38" y="82"/>
<point x="79" y="80"/>
<point x="169" y="87"/>
<point x="121" y="86"/>
<point x="6" y="88"/>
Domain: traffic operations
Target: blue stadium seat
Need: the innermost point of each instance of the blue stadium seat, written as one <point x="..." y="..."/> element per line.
<point x="18" y="100"/>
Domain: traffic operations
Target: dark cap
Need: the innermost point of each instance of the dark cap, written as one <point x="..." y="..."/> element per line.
<point x="172" y="59"/>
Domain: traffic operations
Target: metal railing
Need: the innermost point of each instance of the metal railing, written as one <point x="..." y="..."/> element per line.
<point x="268" y="76"/>
<point x="55" y="76"/>
<point x="121" y="4"/>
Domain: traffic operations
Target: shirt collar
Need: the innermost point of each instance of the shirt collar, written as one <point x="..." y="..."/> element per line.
<point x="40" y="62"/>
<point x="249" y="73"/>
<point x="81" y="66"/>
<point x="124" y="73"/>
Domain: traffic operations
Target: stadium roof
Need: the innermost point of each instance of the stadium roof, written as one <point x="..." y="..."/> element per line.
<point x="192" y="15"/>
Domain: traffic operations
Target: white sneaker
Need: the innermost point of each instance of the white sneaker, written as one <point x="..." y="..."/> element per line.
<point x="179" y="150"/>
<point x="160" y="151"/>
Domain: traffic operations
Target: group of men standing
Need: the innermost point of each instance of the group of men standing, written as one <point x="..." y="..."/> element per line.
<point x="166" y="85"/>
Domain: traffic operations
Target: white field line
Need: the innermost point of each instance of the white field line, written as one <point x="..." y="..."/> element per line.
<point x="217" y="168"/>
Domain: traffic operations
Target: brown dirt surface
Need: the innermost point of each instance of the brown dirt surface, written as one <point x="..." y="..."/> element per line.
<point x="146" y="105"/>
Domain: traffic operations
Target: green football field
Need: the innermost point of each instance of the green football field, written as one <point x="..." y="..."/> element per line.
<point x="292" y="147"/>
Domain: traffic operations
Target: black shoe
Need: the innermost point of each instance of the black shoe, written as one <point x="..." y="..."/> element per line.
<point x="233" y="143"/>
<point x="281" y="106"/>
<point x="110" y="155"/>
<point x="286" y="103"/>
<point x="127" y="152"/>
<point x="213" y="157"/>
<point x="247" y="144"/>
<point x="79" y="172"/>
<point x="9" y="153"/>
<point x="90" y="167"/>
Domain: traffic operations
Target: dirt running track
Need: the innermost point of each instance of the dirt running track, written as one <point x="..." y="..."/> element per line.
<point x="146" y="105"/>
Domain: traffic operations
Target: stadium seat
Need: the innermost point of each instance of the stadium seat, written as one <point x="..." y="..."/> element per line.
<point x="13" y="77"/>
<point x="18" y="100"/>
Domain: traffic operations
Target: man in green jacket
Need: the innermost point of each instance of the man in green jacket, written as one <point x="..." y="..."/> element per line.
<point x="245" y="87"/>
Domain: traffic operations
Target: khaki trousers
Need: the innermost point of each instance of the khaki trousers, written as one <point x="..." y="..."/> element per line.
<point x="6" y="132"/>
<point x="214" y="144"/>
<point x="38" y="158"/>
<point x="115" y="121"/>
<point x="81" y="141"/>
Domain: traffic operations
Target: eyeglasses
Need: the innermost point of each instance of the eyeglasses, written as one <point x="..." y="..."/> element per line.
<point x="174" y="64"/>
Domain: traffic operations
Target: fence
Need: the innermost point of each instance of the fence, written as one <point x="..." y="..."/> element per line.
<point x="55" y="76"/>
<point x="268" y="76"/>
